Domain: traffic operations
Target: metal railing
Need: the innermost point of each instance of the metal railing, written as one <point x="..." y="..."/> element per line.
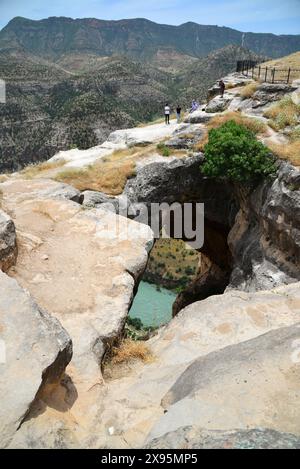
<point x="267" y="74"/>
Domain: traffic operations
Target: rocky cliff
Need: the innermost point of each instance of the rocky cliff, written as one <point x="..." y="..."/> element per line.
<point x="225" y="371"/>
<point x="137" y="38"/>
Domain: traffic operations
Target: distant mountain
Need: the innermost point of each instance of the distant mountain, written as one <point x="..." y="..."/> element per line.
<point x="138" y="39"/>
<point x="72" y="82"/>
<point x="49" y="110"/>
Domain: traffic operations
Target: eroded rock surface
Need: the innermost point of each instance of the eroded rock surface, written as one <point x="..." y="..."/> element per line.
<point x="82" y="266"/>
<point x="251" y="384"/>
<point x="133" y="403"/>
<point x="35" y="351"/>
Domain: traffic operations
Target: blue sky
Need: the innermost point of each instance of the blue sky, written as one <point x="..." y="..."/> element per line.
<point x="276" y="16"/>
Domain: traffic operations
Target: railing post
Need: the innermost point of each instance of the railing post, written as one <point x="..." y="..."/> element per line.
<point x="259" y="72"/>
<point x="266" y="74"/>
<point x="288" y="77"/>
<point x="273" y="75"/>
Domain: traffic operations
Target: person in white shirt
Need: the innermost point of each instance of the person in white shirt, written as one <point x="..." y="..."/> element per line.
<point x="167" y="114"/>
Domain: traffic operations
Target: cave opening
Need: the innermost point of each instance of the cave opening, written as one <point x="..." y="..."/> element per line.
<point x="178" y="275"/>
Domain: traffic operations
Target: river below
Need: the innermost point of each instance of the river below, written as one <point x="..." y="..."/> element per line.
<point x="151" y="305"/>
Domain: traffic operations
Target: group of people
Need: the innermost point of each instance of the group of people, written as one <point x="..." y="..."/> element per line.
<point x="168" y="112"/>
<point x="194" y="107"/>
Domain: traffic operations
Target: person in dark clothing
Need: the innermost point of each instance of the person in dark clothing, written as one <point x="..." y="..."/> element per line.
<point x="222" y="87"/>
<point x="178" y="113"/>
<point x="167" y="113"/>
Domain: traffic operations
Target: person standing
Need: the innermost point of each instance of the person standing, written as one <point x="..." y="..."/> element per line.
<point x="222" y="87"/>
<point x="178" y="113"/>
<point x="167" y="113"/>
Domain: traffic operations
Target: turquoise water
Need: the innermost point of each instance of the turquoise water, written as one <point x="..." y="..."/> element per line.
<point x="151" y="306"/>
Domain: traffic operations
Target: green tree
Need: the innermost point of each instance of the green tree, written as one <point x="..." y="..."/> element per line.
<point x="234" y="153"/>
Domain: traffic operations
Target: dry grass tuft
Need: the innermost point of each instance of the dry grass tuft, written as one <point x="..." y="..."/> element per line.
<point x="34" y="170"/>
<point x="255" y="125"/>
<point x="290" y="61"/>
<point x="130" y="350"/>
<point x="109" y="177"/>
<point x="288" y="151"/>
<point x="229" y="86"/>
<point x="248" y="90"/>
<point x="283" y="114"/>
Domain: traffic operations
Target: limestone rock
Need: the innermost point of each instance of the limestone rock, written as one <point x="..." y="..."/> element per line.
<point x="194" y="437"/>
<point x="267" y="253"/>
<point x="199" y="117"/>
<point x="35" y="351"/>
<point x="218" y="104"/>
<point x="185" y="138"/>
<point x="94" y="262"/>
<point x="23" y="190"/>
<point x="200" y="329"/>
<point x="94" y="199"/>
<point x="270" y="92"/>
<point x="248" y="385"/>
<point x="118" y="140"/>
<point x="8" y="244"/>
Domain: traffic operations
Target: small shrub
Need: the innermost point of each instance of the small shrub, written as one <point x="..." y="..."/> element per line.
<point x="254" y="125"/>
<point x="189" y="270"/>
<point x="233" y="153"/>
<point x="135" y="322"/>
<point x="163" y="149"/>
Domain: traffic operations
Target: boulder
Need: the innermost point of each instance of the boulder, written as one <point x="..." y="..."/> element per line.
<point x="94" y="199"/>
<point x="194" y="437"/>
<point x="185" y="139"/>
<point x="8" y="243"/>
<point x="35" y="350"/>
<point x="199" y="117"/>
<point x="270" y="92"/>
<point x="218" y="104"/>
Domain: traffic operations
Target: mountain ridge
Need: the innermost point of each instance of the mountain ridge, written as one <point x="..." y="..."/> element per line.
<point x="137" y="38"/>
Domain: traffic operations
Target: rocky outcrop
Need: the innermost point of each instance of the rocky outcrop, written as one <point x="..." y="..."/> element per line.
<point x="65" y="254"/>
<point x="264" y="240"/>
<point x="202" y="330"/>
<point x="8" y="243"/>
<point x="241" y="386"/>
<point x="251" y="235"/>
<point x="218" y="104"/>
<point x="269" y="92"/>
<point x="197" y="438"/>
<point x="35" y="351"/>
